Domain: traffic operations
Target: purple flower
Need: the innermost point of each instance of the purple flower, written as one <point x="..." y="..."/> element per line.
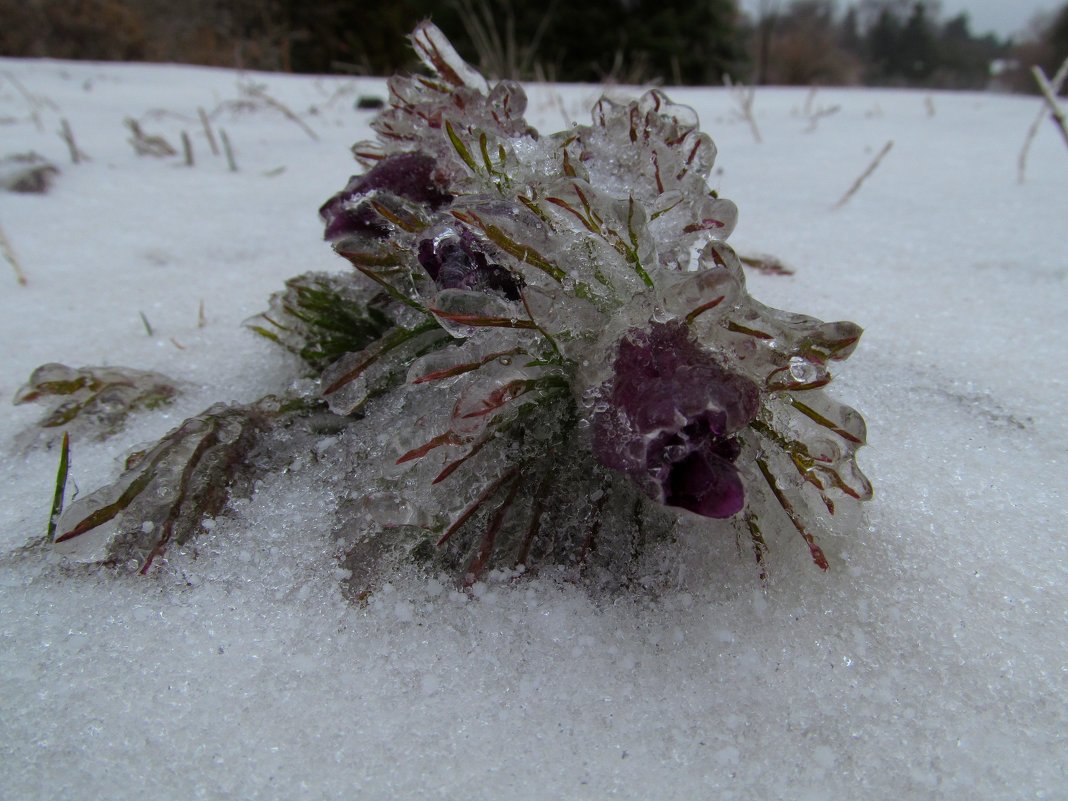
<point x="455" y="262"/>
<point x="406" y="175"/>
<point x="667" y="416"/>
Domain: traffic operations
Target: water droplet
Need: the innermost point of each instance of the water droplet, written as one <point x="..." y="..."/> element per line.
<point x="802" y="371"/>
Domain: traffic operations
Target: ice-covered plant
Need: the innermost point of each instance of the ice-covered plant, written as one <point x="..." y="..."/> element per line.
<point x="584" y="270"/>
<point x="550" y="344"/>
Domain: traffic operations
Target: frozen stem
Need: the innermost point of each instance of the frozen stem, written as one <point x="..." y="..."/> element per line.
<point x="864" y="175"/>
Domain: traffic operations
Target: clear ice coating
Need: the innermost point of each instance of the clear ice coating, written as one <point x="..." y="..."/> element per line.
<point x="167" y="491"/>
<point x="546" y="355"/>
<point x="588" y="269"/>
<point x="92" y="401"/>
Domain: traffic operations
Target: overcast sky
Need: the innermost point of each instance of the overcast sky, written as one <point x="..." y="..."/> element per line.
<point x="1003" y="17"/>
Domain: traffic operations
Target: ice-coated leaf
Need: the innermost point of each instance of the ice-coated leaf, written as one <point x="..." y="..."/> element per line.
<point x="517" y="503"/>
<point x="93" y="401"/>
<point x="439" y="55"/>
<point x="348" y="383"/>
<point x="321" y="317"/>
<point x="165" y="495"/>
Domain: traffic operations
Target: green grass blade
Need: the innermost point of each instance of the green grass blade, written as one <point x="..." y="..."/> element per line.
<point x="61" y="488"/>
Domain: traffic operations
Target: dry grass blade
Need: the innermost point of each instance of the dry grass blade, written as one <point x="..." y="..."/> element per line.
<point x="1055" y="110"/>
<point x="744" y="96"/>
<point x="208" y="132"/>
<point x="9" y="257"/>
<point x="1056" y="84"/>
<point x="864" y="175"/>
<point x="67" y="135"/>
<point x="765" y="263"/>
<point x="187" y="149"/>
<point x="819" y="114"/>
<point x="35" y="102"/>
<point x="259" y="93"/>
<point x="501" y="55"/>
<point x="229" y="150"/>
<point x="145" y="144"/>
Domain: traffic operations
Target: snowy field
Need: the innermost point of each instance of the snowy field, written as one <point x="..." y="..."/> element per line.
<point x="930" y="661"/>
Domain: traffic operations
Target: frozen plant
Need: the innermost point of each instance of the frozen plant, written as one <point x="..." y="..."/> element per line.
<point x="585" y="269"/>
<point x="92" y="401"/>
<point x="548" y="345"/>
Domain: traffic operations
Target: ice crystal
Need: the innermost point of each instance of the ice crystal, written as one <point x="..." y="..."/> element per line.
<point x="548" y="344"/>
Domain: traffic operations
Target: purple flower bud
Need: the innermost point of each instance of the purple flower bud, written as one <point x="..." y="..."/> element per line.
<point x="406" y="175"/>
<point x="455" y="262"/>
<point x="667" y="416"/>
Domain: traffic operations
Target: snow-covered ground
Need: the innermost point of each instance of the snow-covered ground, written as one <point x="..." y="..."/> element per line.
<point x="930" y="661"/>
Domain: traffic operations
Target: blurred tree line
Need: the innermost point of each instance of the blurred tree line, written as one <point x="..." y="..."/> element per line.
<point x="874" y="42"/>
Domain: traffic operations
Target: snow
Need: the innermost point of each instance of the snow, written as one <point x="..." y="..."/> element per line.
<point x="930" y="661"/>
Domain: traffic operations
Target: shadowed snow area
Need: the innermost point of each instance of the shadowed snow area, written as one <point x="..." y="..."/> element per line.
<point x="929" y="661"/>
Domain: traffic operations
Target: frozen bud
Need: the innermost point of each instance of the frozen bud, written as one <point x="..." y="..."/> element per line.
<point x="667" y="416"/>
<point x="456" y="262"/>
<point x="406" y="175"/>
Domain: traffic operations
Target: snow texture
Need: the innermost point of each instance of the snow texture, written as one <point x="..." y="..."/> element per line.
<point x="930" y="661"/>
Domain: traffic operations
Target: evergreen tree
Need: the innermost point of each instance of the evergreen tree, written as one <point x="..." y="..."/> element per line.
<point x="849" y="38"/>
<point x="916" y="50"/>
<point x="883" y="40"/>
